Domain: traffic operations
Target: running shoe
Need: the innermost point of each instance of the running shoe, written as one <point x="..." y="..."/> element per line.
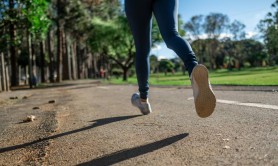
<point x="144" y="107"/>
<point x="204" y="97"/>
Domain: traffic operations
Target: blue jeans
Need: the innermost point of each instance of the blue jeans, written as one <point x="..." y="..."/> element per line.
<point x="139" y="15"/>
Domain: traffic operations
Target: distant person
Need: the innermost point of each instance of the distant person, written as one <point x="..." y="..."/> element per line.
<point x="139" y="14"/>
<point x="102" y="72"/>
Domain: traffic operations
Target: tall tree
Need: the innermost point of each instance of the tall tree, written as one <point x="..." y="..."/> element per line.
<point x="114" y="39"/>
<point x="37" y="23"/>
<point x="13" y="49"/>
<point x="59" y="35"/>
<point x="215" y="24"/>
<point x="269" y="29"/>
<point x="237" y="30"/>
<point x="194" y="26"/>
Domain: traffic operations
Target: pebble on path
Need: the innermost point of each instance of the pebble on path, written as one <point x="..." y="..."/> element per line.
<point x="226" y="147"/>
<point x="51" y="101"/>
<point x="29" y="118"/>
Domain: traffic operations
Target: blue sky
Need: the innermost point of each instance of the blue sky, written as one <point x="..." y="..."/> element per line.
<point x="249" y="12"/>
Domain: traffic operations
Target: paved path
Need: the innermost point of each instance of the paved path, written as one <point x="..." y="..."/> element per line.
<point x="93" y="124"/>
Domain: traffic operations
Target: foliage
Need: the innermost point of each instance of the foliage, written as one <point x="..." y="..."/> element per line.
<point x="215" y="24"/>
<point x="236" y="28"/>
<point x="166" y="66"/>
<point x="194" y="26"/>
<point x="269" y="29"/>
<point x="35" y="12"/>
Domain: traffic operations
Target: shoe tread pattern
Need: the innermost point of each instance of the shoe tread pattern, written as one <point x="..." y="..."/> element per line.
<point x="205" y="101"/>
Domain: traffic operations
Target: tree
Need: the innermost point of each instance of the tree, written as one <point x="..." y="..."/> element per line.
<point x="153" y="63"/>
<point x="195" y="26"/>
<point x="237" y="29"/>
<point x="21" y="18"/>
<point x="228" y="49"/>
<point x="253" y="52"/>
<point x="166" y="66"/>
<point x="199" y="47"/>
<point x="269" y="29"/>
<point x="215" y="24"/>
<point x="13" y="50"/>
<point x="122" y="50"/>
<point x="35" y="12"/>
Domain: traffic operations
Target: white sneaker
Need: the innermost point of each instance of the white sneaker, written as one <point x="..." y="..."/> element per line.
<point x="204" y="97"/>
<point x="144" y="107"/>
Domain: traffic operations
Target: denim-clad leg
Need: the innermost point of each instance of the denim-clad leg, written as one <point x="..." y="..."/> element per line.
<point x="166" y="14"/>
<point x="139" y="14"/>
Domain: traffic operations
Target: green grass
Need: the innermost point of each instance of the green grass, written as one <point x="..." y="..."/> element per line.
<point x="246" y="76"/>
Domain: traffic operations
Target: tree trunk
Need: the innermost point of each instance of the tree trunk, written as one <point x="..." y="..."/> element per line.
<point x="73" y="60"/>
<point x="30" y="69"/>
<point x="89" y="62"/>
<point x="42" y="46"/>
<point x="51" y="56"/>
<point x="78" y="61"/>
<point x="34" y="65"/>
<point x="84" y="63"/>
<point x="13" y="52"/>
<point x="59" y="44"/>
<point x="95" y="65"/>
<point x="26" y="74"/>
<point x="66" y="61"/>
<point x="7" y="78"/>
<point x="67" y="45"/>
<point x="3" y="73"/>
<point x="125" y="73"/>
<point x="59" y="53"/>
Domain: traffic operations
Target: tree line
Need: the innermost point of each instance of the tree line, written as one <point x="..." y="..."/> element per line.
<point x="220" y="43"/>
<point x="56" y="40"/>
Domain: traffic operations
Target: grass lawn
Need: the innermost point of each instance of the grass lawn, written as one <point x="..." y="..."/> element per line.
<point x="246" y="76"/>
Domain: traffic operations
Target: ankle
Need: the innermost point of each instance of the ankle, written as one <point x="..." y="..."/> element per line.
<point x="143" y="100"/>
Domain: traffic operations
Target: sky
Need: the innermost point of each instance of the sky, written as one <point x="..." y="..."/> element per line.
<point x="249" y="12"/>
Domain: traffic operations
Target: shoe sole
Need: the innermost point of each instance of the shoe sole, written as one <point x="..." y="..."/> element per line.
<point x="205" y="101"/>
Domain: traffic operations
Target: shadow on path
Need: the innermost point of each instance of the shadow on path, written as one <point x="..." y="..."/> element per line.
<point x="134" y="152"/>
<point x="98" y="122"/>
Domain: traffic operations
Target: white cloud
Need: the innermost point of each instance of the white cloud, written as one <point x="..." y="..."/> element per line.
<point x="161" y="57"/>
<point x="205" y="36"/>
<point x="251" y="34"/>
<point x="223" y="35"/>
<point x="156" y="48"/>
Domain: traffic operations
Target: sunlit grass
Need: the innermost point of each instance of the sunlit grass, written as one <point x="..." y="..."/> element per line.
<point x="246" y="76"/>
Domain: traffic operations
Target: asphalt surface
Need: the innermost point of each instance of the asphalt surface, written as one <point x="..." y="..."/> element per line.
<point x="94" y="124"/>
